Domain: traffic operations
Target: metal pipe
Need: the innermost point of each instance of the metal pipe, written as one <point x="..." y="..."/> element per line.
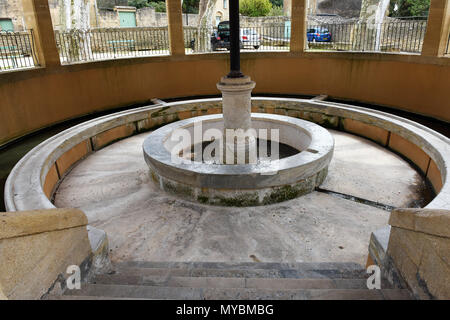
<point x="235" y="59"/>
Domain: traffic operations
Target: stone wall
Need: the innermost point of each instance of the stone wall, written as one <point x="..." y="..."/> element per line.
<point x="419" y="249"/>
<point x="36" y="247"/>
<point x="13" y="10"/>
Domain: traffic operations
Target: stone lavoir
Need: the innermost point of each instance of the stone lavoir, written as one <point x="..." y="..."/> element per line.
<point x="361" y="187"/>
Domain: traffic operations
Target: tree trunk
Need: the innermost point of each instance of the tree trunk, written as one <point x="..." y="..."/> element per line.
<point x="205" y="27"/>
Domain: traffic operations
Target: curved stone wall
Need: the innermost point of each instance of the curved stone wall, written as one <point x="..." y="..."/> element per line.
<point x="31" y="183"/>
<point x="37" y="98"/>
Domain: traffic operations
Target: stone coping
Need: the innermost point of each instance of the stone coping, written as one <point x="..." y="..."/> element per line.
<point x="24" y="187"/>
<point x="23" y="223"/>
<point x="244" y="176"/>
<point x="430" y="221"/>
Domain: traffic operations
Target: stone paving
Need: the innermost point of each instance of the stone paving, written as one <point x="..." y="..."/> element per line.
<point x="143" y="223"/>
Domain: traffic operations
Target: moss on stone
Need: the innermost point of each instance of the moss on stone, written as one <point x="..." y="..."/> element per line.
<point x="203" y="199"/>
<point x="243" y="200"/>
<point x="289" y="192"/>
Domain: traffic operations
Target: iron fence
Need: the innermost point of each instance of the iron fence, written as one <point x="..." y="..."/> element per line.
<point x="17" y="50"/>
<point x="398" y="36"/>
<point x="101" y="44"/>
<point x="263" y="38"/>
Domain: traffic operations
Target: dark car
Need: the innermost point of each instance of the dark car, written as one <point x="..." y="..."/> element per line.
<point x="220" y="38"/>
<point x="319" y="35"/>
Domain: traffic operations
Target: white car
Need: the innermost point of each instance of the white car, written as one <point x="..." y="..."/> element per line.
<point x="250" y="38"/>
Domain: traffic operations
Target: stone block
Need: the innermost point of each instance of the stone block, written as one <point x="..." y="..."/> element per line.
<point x="184" y="114"/>
<point x="366" y="130"/>
<point x="70" y="157"/>
<point x="50" y="181"/>
<point x="111" y="135"/>
<point x="410" y="151"/>
<point x="22" y="223"/>
<point x="434" y="175"/>
<point x="32" y="262"/>
<point x="434" y="272"/>
<point x="428" y="221"/>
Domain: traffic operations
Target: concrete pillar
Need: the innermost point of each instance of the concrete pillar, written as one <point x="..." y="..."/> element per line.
<point x="176" y="37"/>
<point x="438" y="27"/>
<point x="37" y="17"/>
<point x="298" y="25"/>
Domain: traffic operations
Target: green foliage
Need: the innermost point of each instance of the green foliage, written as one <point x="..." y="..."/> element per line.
<point x="277" y="3"/>
<point x="190" y="6"/>
<point x="276" y="11"/>
<point x="255" y="8"/>
<point x="409" y="8"/>
<point x="138" y="3"/>
<point x="159" y="6"/>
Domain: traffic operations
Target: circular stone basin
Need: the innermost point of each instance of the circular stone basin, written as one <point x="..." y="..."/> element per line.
<point x="260" y="183"/>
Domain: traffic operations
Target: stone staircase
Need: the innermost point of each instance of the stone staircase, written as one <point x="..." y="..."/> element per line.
<point x="248" y="280"/>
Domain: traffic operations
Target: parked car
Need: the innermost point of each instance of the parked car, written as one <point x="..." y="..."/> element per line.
<point x="318" y="35"/>
<point x="220" y="38"/>
<point x="250" y="38"/>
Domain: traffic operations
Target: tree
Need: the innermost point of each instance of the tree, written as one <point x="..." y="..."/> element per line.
<point x="159" y="6"/>
<point x="204" y="28"/>
<point x="276" y="11"/>
<point x="255" y="8"/>
<point x="277" y="3"/>
<point x="409" y="8"/>
<point x="190" y="6"/>
<point x="75" y="25"/>
<point x="138" y="3"/>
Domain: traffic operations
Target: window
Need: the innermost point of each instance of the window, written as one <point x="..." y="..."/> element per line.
<point x="6" y="25"/>
<point x="224" y="4"/>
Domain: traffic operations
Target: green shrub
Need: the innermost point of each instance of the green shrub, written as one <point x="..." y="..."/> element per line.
<point x="276" y="11"/>
<point x="255" y="8"/>
<point x="160" y="6"/>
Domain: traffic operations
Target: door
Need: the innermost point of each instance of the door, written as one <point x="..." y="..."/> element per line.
<point x="127" y="19"/>
<point x="6" y="25"/>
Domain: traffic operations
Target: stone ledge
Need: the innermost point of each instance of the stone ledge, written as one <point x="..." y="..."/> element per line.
<point x="24" y="223"/>
<point x="434" y="222"/>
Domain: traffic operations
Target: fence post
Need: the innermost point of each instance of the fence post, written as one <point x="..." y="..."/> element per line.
<point x="175" y="21"/>
<point x="298" y="25"/>
<point x="37" y="17"/>
<point x="438" y="28"/>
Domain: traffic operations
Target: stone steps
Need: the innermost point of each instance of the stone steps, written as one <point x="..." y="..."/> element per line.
<point x="245" y="270"/>
<point x="212" y="281"/>
<point x="222" y="282"/>
<point x="183" y="293"/>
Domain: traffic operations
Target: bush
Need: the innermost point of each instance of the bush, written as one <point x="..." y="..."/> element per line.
<point x="160" y="6"/>
<point x="138" y="3"/>
<point x="255" y="8"/>
<point x="276" y="11"/>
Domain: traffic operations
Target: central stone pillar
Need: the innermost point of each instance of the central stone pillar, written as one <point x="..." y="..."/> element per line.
<point x="237" y="109"/>
<point x="236" y="101"/>
<point x="239" y="140"/>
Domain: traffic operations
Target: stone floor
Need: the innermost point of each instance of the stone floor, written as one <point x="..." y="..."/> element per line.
<point x="113" y="188"/>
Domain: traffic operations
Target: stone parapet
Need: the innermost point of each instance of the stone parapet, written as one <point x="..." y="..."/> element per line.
<point x="36" y="247"/>
<point x="419" y="249"/>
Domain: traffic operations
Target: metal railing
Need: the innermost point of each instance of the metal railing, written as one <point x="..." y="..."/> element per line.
<point x="447" y="51"/>
<point x="398" y="36"/>
<point x="102" y="44"/>
<point x="264" y="38"/>
<point x="17" y="50"/>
